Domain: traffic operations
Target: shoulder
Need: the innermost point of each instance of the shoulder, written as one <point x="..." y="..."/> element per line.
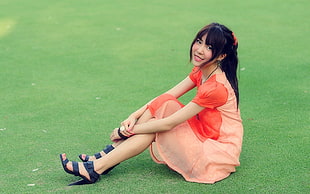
<point x="212" y="88"/>
<point x="212" y="93"/>
<point x="195" y="74"/>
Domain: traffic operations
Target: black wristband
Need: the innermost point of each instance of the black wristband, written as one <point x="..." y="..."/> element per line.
<point x="121" y="135"/>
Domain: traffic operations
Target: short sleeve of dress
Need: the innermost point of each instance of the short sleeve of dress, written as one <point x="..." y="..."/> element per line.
<point x="194" y="75"/>
<point x="212" y="94"/>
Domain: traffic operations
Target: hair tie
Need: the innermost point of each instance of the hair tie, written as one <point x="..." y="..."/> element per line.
<point x="119" y="131"/>
<point x="235" y="39"/>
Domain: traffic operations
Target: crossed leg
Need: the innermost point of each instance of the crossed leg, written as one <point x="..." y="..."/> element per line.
<point x="144" y="118"/>
<point x="122" y="151"/>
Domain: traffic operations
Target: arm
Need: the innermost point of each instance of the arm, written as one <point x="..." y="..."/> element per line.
<point x="177" y="91"/>
<point x="182" y="87"/>
<point x="170" y="122"/>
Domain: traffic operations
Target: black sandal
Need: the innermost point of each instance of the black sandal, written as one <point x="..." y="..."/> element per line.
<point x="64" y="163"/>
<point x="89" y="167"/>
<point x="106" y="150"/>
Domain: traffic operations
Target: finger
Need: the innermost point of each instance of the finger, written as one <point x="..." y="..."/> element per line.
<point x="126" y="126"/>
<point x="114" y="133"/>
<point x="131" y="126"/>
<point x="125" y="133"/>
<point x="128" y="133"/>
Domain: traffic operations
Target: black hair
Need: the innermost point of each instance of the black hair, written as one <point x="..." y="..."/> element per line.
<point x="222" y="41"/>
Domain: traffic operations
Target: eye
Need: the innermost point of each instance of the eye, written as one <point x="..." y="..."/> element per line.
<point x="209" y="47"/>
<point x="198" y="41"/>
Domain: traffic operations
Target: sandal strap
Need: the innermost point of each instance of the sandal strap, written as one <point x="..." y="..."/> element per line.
<point x="108" y="148"/>
<point x="97" y="155"/>
<point x="65" y="162"/>
<point x="75" y="166"/>
<point x="89" y="166"/>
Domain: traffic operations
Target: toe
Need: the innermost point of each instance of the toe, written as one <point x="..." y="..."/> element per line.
<point x="69" y="164"/>
<point x="83" y="156"/>
<point x="63" y="156"/>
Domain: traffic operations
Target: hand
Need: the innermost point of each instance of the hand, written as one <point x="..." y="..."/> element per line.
<point x="120" y="134"/>
<point x="129" y="123"/>
<point x="114" y="136"/>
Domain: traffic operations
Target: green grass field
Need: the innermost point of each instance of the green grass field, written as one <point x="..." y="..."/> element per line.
<point x="72" y="70"/>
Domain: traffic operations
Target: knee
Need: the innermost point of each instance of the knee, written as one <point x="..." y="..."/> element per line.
<point x="169" y="108"/>
<point x="150" y="137"/>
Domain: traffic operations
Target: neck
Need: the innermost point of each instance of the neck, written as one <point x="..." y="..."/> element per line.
<point x="209" y="70"/>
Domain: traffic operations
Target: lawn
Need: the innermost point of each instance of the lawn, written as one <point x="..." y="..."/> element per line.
<point x="72" y="70"/>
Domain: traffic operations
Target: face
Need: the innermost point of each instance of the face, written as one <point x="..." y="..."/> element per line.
<point x="201" y="53"/>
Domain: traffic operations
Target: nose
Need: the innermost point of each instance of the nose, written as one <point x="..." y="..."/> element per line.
<point x="200" y="49"/>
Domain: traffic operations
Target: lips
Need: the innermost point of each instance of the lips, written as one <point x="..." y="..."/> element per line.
<point x="197" y="58"/>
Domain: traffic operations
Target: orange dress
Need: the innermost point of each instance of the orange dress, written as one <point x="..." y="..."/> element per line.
<point x="205" y="148"/>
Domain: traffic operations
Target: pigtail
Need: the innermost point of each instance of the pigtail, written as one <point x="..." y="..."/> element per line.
<point x="223" y="41"/>
<point x="230" y="63"/>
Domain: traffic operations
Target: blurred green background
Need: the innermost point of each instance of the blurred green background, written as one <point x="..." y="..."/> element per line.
<point x="71" y="71"/>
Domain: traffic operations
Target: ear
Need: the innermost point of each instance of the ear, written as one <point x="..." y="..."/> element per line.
<point x="221" y="57"/>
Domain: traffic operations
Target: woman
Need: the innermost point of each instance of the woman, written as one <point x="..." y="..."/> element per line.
<point x="201" y="140"/>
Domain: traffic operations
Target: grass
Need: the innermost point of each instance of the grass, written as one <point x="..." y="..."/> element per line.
<point x="72" y="70"/>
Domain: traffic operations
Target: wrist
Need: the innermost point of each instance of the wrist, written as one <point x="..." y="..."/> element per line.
<point x="119" y="132"/>
<point x="131" y="132"/>
<point x="121" y="135"/>
<point x="134" y="115"/>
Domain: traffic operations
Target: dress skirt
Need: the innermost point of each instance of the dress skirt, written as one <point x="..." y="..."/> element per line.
<point x="182" y="151"/>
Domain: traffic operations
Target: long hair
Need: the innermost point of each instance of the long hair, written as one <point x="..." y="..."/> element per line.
<point x="222" y="41"/>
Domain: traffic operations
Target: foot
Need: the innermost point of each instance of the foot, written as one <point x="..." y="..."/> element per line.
<point x="85" y="157"/>
<point x="98" y="155"/>
<point x="105" y="151"/>
<point x="78" y="169"/>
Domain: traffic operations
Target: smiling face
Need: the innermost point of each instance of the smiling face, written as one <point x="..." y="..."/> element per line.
<point x="201" y="52"/>
<point x="209" y="46"/>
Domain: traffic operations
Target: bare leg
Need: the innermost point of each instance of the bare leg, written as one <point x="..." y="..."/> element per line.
<point x="128" y="149"/>
<point x="123" y="150"/>
<point x="146" y="116"/>
<point x="102" y="153"/>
